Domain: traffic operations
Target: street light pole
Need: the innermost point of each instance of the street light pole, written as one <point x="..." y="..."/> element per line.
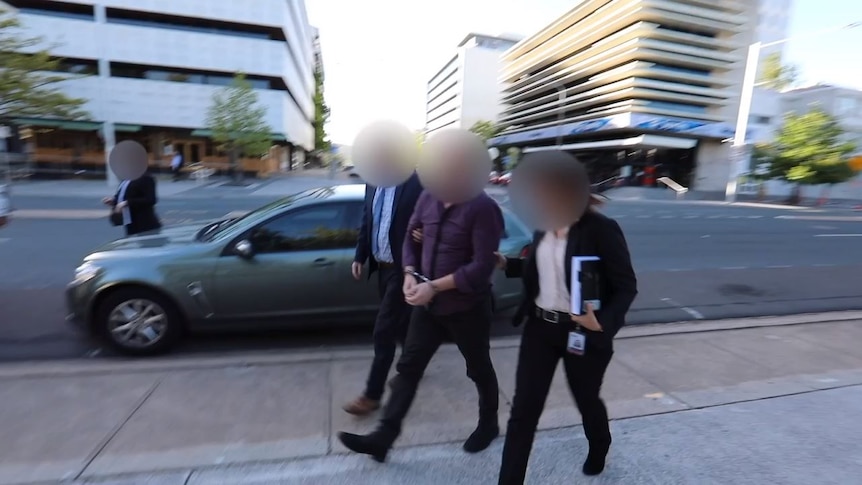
<point x="740" y="152"/>
<point x="745" y="99"/>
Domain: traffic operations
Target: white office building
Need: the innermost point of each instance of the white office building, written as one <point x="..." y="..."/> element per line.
<point x="153" y="66"/>
<point x="635" y="86"/>
<point x="844" y="104"/>
<point x="467" y="88"/>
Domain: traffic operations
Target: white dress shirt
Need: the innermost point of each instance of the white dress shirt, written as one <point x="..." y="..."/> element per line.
<point x="550" y="260"/>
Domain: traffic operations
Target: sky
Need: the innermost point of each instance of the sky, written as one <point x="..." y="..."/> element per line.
<point x="379" y="54"/>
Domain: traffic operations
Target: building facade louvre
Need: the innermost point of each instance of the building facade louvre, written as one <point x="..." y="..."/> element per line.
<point x="153" y="68"/>
<point x="633" y="86"/>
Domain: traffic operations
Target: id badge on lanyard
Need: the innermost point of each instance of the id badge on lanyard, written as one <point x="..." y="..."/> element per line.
<point x="577" y="342"/>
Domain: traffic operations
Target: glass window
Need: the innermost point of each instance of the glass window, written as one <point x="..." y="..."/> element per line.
<point x="306" y="229"/>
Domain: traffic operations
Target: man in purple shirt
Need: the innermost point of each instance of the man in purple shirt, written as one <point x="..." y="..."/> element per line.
<point x="448" y="281"/>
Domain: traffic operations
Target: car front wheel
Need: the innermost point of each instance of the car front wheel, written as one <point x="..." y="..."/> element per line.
<point x="138" y="322"/>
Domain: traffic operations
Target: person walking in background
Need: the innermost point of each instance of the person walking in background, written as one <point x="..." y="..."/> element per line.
<point x="381" y="239"/>
<point x="558" y="189"/>
<point x="134" y="205"/>
<point x="177" y="165"/>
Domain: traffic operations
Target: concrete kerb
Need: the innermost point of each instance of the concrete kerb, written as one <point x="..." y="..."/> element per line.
<point x="172" y="364"/>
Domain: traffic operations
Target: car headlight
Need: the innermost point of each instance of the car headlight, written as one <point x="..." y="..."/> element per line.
<point x="85" y="273"/>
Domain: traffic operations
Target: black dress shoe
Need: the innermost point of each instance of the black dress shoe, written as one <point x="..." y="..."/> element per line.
<point x="595" y="463"/>
<point x="365" y="445"/>
<point x="482" y="438"/>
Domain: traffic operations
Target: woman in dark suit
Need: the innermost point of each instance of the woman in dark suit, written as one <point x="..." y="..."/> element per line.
<point x="559" y="191"/>
<point x="135" y="201"/>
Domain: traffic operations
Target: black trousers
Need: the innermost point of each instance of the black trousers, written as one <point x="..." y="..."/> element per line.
<point x="390" y="328"/>
<point x="542" y="346"/>
<point x="470" y="331"/>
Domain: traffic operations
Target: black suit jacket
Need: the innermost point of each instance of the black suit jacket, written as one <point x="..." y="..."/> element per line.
<point x="141" y="197"/>
<point x="594" y="235"/>
<point x="406" y="196"/>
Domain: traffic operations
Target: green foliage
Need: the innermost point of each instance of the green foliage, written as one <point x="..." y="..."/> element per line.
<point x="808" y="150"/>
<point x="30" y="77"/>
<point x="775" y="75"/>
<point x="321" y="115"/>
<point x="238" y="122"/>
<point x="485" y="129"/>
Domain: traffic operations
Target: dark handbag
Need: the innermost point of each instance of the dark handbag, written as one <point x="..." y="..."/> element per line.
<point x="116" y="218"/>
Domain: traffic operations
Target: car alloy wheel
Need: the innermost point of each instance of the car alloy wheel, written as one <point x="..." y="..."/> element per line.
<point x="138" y="323"/>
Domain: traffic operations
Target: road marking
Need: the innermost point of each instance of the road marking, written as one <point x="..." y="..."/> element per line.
<point x="823" y="218"/>
<point x="715" y="217"/>
<point x="732" y="268"/>
<point x="666" y="217"/>
<point x="838" y="235"/>
<point x="691" y="217"/>
<point x="691" y="311"/>
<point x="705" y="236"/>
<point x="644" y="217"/>
<point x="59" y="214"/>
<point x="755" y="217"/>
<point x="779" y="266"/>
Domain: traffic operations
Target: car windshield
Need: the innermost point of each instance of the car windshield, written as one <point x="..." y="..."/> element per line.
<point x="217" y="229"/>
<point x="214" y="230"/>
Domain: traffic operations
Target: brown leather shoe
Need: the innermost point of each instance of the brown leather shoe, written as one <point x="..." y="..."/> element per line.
<point x="362" y="406"/>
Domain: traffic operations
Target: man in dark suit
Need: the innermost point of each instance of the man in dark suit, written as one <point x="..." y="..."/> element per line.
<point x="381" y="238"/>
<point x="136" y="201"/>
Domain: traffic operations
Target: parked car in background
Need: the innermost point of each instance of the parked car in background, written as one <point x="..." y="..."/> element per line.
<point x="284" y="265"/>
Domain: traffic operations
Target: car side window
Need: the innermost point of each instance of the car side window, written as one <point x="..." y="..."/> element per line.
<point x="307" y="229"/>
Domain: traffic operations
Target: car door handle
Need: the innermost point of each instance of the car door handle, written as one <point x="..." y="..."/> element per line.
<point x="321" y="262"/>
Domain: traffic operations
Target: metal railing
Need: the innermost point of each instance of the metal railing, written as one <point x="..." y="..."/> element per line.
<point x="673" y="185"/>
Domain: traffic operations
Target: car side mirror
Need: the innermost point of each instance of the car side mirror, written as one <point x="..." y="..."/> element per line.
<point x="244" y="249"/>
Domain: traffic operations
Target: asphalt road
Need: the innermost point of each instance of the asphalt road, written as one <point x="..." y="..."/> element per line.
<point x="694" y="261"/>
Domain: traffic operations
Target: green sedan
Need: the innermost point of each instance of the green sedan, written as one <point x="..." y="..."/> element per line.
<point x="285" y="265"/>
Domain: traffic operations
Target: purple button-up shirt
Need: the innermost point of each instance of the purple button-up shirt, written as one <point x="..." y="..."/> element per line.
<point x="465" y="237"/>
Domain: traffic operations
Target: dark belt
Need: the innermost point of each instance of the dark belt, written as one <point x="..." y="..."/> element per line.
<point x="550" y="316"/>
<point x="383" y="265"/>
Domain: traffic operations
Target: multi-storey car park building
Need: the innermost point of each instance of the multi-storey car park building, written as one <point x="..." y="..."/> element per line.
<point x="467" y="88"/>
<point x="153" y="66"/>
<point x="633" y="86"/>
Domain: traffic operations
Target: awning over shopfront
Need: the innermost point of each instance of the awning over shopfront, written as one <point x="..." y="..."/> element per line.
<point x="642" y="141"/>
<point x="209" y="134"/>
<point x="59" y="124"/>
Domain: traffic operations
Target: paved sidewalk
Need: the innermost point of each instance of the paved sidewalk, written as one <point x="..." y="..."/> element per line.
<point x="671" y="389"/>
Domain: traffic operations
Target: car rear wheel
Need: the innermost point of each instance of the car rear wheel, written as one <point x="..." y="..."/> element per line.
<point x="138" y="322"/>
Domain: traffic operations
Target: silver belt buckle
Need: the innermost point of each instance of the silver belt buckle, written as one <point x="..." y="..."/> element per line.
<point x="550" y="317"/>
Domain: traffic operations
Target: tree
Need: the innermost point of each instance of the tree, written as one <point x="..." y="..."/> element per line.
<point x="775" y="75"/>
<point x="321" y="115"/>
<point x="808" y="150"/>
<point x="238" y="123"/>
<point x="485" y="129"/>
<point x="30" y="77"/>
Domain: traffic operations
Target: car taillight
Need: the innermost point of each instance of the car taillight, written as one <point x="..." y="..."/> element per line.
<point x="525" y="251"/>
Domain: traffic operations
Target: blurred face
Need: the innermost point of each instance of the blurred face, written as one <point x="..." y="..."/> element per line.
<point x="454" y="166"/>
<point x="384" y="154"/>
<point x="562" y="202"/>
